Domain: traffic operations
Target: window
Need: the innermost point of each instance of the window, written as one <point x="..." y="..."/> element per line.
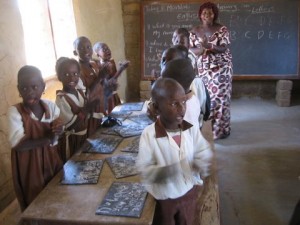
<point x="49" y="32"/>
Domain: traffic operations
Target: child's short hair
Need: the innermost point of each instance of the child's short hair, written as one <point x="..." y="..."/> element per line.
<point x="180" y="70"/>
<point x="162" y="88"/>
<point x="174" y="52"/>
<point x="78" y="40"/>
<point x="97" y="46"/>
<point x="28" y="70"/>
<point x="183" y="31"/>
<point x="62" y="61"/>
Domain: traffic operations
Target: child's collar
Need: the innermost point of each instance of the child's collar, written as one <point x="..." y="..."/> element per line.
<point x="160" y="130"/>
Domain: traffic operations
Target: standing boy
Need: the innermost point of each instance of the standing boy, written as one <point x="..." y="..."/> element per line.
<point x="173" y="156"/>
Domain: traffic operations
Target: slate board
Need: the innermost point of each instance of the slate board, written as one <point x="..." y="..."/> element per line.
<point x="132" y="146"/>
<point x="129" y="130"/>
<point x="120" y="115"/>
<point x="123" y="199"/>
<point x="103" y="144"/>
<point x="132" y="106"/>
<point x="123" y="165"/>
<point x="141" y="119"/>
<point x="81" y="172"/>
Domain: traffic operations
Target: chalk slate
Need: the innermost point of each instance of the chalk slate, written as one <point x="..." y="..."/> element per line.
<point x="123" y="199"/>
<point x="103" y="144"/>
<point x="264" y="35"/>
<point x="132" y="106"/>
<point x="132" y="146"/>
<point x="81" y="172"/>
<point x="122" y="165"/>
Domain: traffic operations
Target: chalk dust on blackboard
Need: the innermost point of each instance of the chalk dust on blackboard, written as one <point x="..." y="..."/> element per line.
<point x="123" y="165"/>
<point x="123" y="199"/>
<point x="103" y="144"/>
<point x="81" y="172"/>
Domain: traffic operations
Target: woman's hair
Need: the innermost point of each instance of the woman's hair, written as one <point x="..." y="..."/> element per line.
<point x="209" y="5"/>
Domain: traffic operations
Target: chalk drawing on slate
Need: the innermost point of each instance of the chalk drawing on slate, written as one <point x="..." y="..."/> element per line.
<point x="82" y="172"/>
<point x="141" y="119"/>
<point x="104" y="144"/>
<point x="123" y="165"/>
<point x="129" y="130"/>
<point x="132" y="106"/>
<point x="120" y="115"/>
<point x="132" y="146"/>
<point x="123" y="199"/>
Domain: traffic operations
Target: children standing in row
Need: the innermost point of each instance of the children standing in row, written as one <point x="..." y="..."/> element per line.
<point x="181" y="37"/>
<point x="173" y="156"/>
<point x="33" y="130"/>
<point x="111" y="97"/>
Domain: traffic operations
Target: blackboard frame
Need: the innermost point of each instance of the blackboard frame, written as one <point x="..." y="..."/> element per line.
<point x="241" y="76"/>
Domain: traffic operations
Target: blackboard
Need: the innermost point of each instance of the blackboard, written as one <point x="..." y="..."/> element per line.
<point x="264" y="35"/>
<point x="123" y="199"/>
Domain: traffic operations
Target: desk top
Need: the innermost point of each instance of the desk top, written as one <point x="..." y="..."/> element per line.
<point x="77" y="204"/>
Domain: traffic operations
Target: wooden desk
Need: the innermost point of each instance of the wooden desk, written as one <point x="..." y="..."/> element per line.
<point x="76" y="204"/>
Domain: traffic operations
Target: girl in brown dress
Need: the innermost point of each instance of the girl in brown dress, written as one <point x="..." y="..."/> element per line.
<point x="34" y="128"/>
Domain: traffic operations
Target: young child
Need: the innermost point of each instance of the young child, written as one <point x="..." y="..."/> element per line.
<point x="92" y="79"/>
<point x="173" y="156"/>
<point x="74" y="109"/>
<point x="182" y="71"/>
<point x="111" y="96"/>
<point x="181" y="37"/>
<point x="33" y="130"/>
<point x="174" y="52"/>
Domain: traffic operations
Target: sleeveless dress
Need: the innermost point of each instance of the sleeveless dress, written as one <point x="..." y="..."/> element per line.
<point x="215" y="69"/>
<point x="33" y="169"/>
<point x="75" y="128"/>
<point x="88" y="77"/>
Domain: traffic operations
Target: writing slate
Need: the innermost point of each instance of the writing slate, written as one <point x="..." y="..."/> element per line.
<point x="81" y="172"/>
<point x="123" y="165"/>
<point x="264" y="35"/>
<point x="123" y="199"/>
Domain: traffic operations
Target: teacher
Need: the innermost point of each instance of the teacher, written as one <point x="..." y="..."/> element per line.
<point x="209" y="41"/>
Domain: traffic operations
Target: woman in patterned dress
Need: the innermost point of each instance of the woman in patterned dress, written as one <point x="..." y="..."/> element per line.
<point x="209" y="41"/>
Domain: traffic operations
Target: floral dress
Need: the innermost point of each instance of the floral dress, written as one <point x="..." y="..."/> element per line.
<point x="215" y="69"/>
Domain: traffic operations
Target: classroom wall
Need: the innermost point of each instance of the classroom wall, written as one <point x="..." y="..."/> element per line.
<point x="102" y="21"/>
<point x="12" y="57"/>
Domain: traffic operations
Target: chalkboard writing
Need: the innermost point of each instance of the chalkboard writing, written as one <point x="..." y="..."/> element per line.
<point x="264" y="35"/>
<point x="123" y="199"/>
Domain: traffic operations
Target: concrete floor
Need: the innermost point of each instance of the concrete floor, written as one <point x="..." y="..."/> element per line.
<point x="259" y="164"/>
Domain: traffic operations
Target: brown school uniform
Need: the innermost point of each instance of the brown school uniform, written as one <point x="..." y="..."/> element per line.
<point x="72" y="139"/>
<point x="88" y="77"/>
<point x="33" y="169"/>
